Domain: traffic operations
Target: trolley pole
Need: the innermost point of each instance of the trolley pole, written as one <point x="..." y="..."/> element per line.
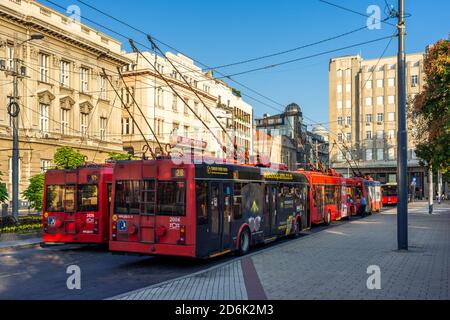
<point x="402" y="158"/>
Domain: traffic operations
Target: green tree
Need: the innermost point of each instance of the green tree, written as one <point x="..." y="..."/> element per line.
<point x="35" y="191"/>
<point x="68" y="158"/>
<point x="3" y="190"/>
<point x="430" y="110"/>
<point x="114" y="156"/>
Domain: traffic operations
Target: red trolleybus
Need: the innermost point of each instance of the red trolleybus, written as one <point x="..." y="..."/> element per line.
<point x="328" y="198"/>
<point x="371" y="190"/>
<point x="390" y="195"/>
<point x="201" y="210"/>
<point x="76" y="205"/>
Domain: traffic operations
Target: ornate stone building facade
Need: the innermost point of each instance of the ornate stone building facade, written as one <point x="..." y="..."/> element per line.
<point x="64" y="99"/>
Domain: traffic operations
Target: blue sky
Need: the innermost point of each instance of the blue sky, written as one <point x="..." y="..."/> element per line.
<point x="220" y="32"/>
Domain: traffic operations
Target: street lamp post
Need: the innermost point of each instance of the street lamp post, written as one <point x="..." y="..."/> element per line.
<point x="14" y="110"/>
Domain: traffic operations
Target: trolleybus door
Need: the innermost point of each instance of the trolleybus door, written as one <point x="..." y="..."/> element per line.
<point x="270" y="211"/>
<point x="220" y="216"/>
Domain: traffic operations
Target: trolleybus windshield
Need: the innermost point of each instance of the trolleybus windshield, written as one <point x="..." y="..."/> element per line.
<point x="87" y="198"/>
<point x="60" y="198"/>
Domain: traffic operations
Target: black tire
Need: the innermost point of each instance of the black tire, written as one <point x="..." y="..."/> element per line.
<point x="327" y="220"/>
<point x="244" y="242"/>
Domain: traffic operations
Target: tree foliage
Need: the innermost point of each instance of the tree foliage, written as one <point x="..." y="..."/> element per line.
<point x="430" y="110"/>
<point x="68" y="158"/>
<point x="114" y="156"/>
<point x="3" y="190"/>
<point x="35" y="191"/>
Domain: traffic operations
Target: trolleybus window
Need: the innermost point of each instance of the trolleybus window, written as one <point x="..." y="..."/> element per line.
<point x="60" y="198"/>
<point x="237" y="201"/>
<point x="87" y="198"/>
<point x="127" y="197"/>
<point x="148" y="197"/>
<point x="201" y="192"/>
<point x="171" y="198"/>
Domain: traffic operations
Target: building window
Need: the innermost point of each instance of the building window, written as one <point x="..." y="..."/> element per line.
<point x="43" y="117"/>
<point x="369" y="135"/>
<point x="368" y="154"/>
<point x="348" y="104"/>
<point x="103" y="128"/>
<point x="380" y="154"/>
<point x="339" y="73"/>
<point x="159" y="127"/>
<point x="391" y="100"/>
<point x="175" y="128"/>
<point x="380" y="101"/>
<point x="160" y="98"/>
<point x="348" y="88"/>
<point x="391" y="154"/>
<point x="45" y="165"/>
<point x="65" y="73"/>
<point x="126" y="126"/>
<point x="186" y="131"/>
<point x="348" y="73"/>
<point x="186" y="106"/>
<point x="339" y="136"/>
<point x="339" y="121"/>
<point x="340" y="156"/>
<point x="339" y="104"/>
<point x="339" y="88"/>
<point x="369" y="84"/>
<point x="368" y="101"/>
<point x="102" y="87"/>
<point x="414" y="80"/>
<point x="369" y="118"/>
<point x="349" y="137"/>
<point x="380" y="117"/>
<point x="64" y="115"/>
<point x="348" y="121"/>
<point x="391" y="116"/>
<point x="391" y="134"/>
<point x="380" y="83"/>
<point x="380" y="135"/>
<point x="43" y="67"/>
<point x="84" y="123"/>
<point x="174" y="103"/>
<point x="84" y="80"/>
<point x="196" y="107"/>
<point x="391" y="82"/>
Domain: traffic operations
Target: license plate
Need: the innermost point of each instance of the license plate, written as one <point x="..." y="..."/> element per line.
<point x="122" y="225"/>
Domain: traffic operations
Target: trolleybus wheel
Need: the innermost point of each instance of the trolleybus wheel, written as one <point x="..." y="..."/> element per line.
<point x="328" y="219"/>
<point x="244" y="242"/>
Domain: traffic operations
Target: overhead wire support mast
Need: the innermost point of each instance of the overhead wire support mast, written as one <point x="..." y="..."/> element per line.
<point x="135" y="49"/>
<point x="149" y="38"/>
<point x="140" y="110"/>
<point x="130" y="114"/>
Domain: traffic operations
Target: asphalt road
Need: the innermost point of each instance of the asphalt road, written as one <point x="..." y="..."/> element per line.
<point x="40" y="273"/>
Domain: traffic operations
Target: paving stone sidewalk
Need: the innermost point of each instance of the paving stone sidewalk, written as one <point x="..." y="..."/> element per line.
<point x="331" y="264"/>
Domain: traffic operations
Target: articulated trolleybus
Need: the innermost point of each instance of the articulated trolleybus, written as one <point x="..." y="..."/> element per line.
<point x="76" y="205"/>
<point x="202" y="210"/>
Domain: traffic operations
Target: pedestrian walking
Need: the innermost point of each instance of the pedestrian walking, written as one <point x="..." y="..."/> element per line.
<point x="363" y="206"/>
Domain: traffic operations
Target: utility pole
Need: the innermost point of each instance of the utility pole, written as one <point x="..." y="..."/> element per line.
<point x="402" y="138"/>
<point x="430" y="190"/>
<point x="14" y="111"/>
<point x="439" y="185"/>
